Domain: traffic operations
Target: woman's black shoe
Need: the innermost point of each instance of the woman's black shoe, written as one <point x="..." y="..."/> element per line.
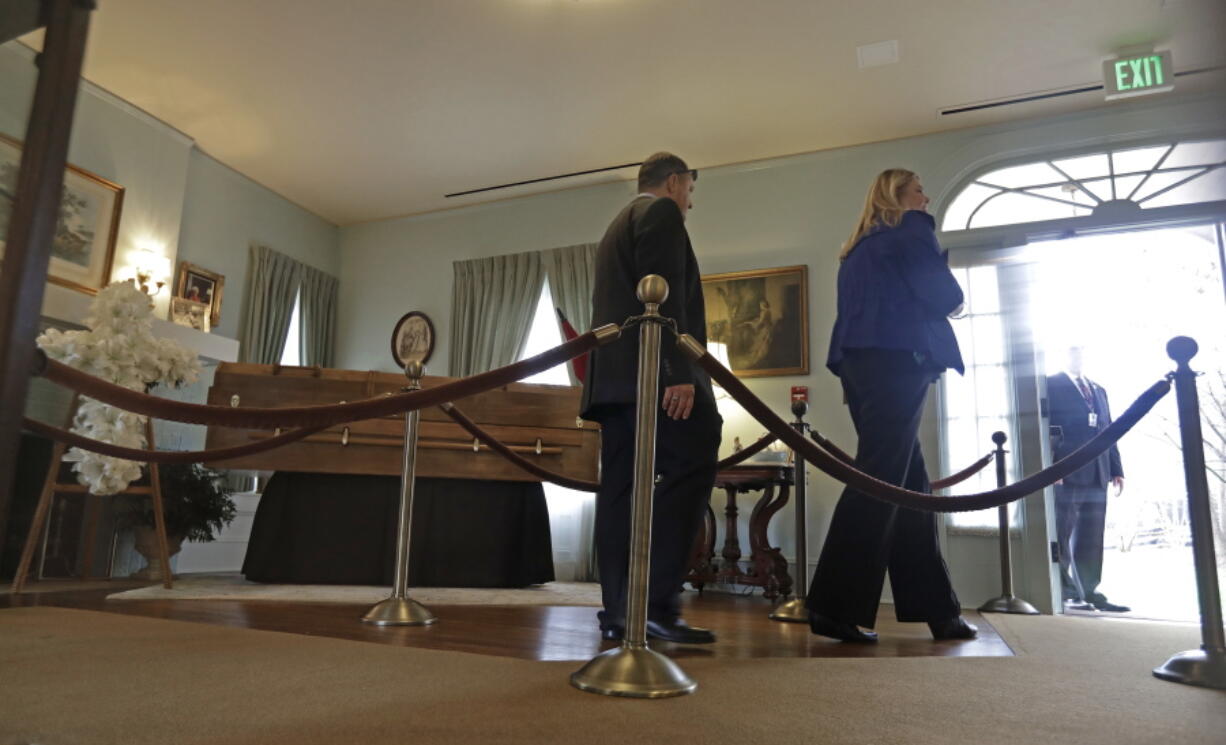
<point x="846" y="632"/>
<point x="952" y="628"/>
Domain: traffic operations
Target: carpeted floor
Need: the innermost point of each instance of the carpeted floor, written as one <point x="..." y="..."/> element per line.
<point x="72" y="676"/>
<point x="234" y="587"/>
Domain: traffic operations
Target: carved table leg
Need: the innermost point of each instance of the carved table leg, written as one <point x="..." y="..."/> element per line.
<point x="730" y="568"/>
<point x="768" y="562"/>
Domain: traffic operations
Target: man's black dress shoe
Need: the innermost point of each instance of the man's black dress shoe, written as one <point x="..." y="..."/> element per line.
<point x="952" y="628"/>
<point x="1110" y="607"/>
<point x="679" y="632"/>
<point x="1078" y="605"/>
<point x="846" y="632"/>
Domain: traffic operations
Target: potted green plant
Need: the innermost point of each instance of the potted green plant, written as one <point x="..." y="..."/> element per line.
<point x="197" y="504"/>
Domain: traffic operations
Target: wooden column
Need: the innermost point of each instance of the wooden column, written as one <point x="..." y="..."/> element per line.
<point x="27" y="254"/>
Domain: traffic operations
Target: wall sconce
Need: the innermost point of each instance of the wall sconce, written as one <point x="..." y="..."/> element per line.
<point x="152" y="268"/>
<point x="719" y="351"/>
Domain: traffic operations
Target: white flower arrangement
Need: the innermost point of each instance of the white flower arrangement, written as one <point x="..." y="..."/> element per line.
<point x="118" y="347"/>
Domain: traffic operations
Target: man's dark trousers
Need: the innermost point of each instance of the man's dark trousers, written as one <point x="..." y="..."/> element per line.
<point x="1081" y="518"/>
<point x="686" y="455"/>
<point x="885" y="393"/>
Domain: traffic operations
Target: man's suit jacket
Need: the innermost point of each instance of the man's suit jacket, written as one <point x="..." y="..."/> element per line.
<point x="647" y="237"/>
<point x="1071" y="413"/>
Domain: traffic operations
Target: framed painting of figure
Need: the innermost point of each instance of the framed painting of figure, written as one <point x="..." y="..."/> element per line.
<point x="762" y="316"/>
<point x="85" y="229"/>
<point x="413" y="338"/>
<point x="201" y="286"/>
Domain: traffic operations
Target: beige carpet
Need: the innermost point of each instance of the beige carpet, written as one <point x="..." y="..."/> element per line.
<point x="234" y="587"/>
<point x="82" y="677"/>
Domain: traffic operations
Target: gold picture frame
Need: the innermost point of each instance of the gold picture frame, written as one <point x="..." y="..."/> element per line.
<point x="190" y="313"/>
<point x="762" y="315"/>
<point x="202" y="286"/>
<point x="87" y="228"/>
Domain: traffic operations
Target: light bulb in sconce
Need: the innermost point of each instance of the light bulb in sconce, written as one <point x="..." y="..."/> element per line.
<point x="719" y="351"/>
<point x="152" y="271"/>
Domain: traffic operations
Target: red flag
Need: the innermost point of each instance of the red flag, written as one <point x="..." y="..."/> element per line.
<point x="579" y="363"/>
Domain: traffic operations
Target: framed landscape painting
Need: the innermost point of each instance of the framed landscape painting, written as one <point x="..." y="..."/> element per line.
<point x="763" y="317"/>
<point x="84" y="244"/>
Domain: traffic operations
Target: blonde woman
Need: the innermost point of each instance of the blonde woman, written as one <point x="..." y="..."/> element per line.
<point x="891" y="340"/>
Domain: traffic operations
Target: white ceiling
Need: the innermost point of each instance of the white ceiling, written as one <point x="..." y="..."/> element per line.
<point x="367" y="109"/>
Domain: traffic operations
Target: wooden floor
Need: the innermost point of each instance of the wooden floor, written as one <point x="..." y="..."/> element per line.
<point x="528" y="632"/>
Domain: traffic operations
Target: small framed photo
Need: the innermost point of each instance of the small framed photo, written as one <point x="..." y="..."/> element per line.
<point x="762" y="316"/>
<point x="201" y="286"/>
<point x="88" y="224"/>
<point x="413" y="338"/>
<point x="190" y="313"/>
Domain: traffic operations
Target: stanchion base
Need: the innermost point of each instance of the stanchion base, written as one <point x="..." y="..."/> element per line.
<point x="1195" y="667"/>
<point x="1009" y="604"/>
<point x="634" y="672"/>
<point x="399" y="612"/>
<point x="793" y="611"/>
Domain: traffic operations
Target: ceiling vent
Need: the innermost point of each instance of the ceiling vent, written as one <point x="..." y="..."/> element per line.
<point x="877" y="54"/>
<point x="540" y="180"/>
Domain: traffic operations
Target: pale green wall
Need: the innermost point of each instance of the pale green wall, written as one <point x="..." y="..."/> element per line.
<point x="224" y="212"/>
<point x="794" y="210"/>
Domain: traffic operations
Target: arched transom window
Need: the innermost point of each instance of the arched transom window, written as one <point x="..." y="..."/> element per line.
<point x="1142" y="177"/>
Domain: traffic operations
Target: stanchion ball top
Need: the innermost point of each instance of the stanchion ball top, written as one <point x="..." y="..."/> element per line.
<point x="653" y="289"/>
<point x="1182" y="348"/>
<point x="414" y="369"/>
<point x="999" y="438"/>
<point x="800" y="407"/>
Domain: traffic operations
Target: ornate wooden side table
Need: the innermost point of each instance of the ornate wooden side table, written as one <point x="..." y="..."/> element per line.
<point x="767" y="567"/>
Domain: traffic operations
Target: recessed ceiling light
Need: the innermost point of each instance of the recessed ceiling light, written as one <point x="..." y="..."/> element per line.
<point x="877" y="54"/>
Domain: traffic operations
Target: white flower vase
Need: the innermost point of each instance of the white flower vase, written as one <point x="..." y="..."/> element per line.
<point x="146" y="544"/>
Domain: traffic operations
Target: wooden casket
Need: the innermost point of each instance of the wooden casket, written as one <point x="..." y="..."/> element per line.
<point x="539" y="422"/>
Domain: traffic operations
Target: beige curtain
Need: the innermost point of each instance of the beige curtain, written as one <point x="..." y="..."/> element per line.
<point x="492" y="305"/>
<point x="273" y="282"/>
<point x="571" y="271"/>
<point x="317" y="298"/>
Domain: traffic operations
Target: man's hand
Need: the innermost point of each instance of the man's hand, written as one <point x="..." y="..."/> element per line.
<point x="678" y="401"/>
<point x="1118" y="483"/>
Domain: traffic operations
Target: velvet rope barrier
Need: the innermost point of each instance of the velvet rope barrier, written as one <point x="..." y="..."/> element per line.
<point x="886" y="492"/>
<point x="942" y="483"/>
<point x="323" y="415"/>
<point x="165" y="456"/>
<point x="957" y="478"/>
<point x="746" y="453"/>
<point x="494" y="444"/>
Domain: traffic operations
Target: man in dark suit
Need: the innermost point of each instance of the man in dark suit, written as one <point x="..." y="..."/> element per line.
<point x="649" y="237"/>
<point x="1079" y="411"/>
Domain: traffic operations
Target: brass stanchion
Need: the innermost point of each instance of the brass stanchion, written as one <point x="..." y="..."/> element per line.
<point x="794" y="610"/>
<point x="1205" y="666"/>
<point x="1007" y="602"/>
<point x="632" y="669"/>
<point x="400" y="609"/>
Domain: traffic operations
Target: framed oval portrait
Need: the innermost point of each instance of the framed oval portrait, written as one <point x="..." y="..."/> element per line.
<point x="413" y="338"/>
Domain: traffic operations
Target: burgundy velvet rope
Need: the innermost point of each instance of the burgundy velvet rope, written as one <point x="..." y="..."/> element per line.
<point x="165" y="456"/>
<point x="957" y="478"/>
<point x="917" y="500"/>
<point x="942" y="483"/>
<point x="494" y="444"/>
<point x="312" y="416"/>
<point x="746" y="453"/>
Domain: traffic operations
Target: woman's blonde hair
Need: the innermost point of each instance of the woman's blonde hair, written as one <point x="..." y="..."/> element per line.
<point x="881" y="205"/>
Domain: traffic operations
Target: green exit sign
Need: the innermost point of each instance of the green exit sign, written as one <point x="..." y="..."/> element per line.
<point x="1139" y="74"/>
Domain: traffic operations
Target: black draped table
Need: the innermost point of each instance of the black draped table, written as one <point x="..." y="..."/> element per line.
<point x="313" y="528"/>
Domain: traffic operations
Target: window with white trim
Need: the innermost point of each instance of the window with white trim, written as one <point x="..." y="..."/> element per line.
<point x="1163" y="175"/>
<point x="980" y="402"/>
